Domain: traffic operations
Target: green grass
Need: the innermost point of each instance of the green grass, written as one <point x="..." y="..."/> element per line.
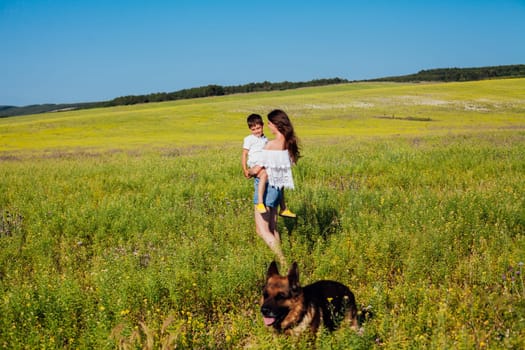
<point x="132" y="227"/>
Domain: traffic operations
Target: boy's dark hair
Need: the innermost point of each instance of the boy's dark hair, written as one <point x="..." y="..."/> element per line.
<point x="254" y="119"/>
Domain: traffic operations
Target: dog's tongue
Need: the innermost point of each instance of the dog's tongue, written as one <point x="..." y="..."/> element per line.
<point x="268" y="321"/>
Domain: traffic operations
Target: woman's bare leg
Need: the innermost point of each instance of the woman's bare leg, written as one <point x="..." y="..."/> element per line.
<point x="266" y="227"/>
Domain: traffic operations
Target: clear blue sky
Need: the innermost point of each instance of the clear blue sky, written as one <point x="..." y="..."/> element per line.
<point x="94" y="50"/>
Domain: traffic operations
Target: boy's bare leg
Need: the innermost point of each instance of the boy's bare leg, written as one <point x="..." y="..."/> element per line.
<point x="282" y="203"/>
<point x="263" y="177"/>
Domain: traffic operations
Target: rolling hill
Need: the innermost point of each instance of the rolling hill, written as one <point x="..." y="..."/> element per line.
<point x="439" y="74"/>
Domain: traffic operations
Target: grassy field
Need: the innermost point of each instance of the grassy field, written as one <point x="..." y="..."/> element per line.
<point x="131" y="227"/>
<point x="361" y="109"/>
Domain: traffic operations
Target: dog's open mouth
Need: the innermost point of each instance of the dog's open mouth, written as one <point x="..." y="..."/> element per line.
<point x="268" y="321"/>
<point x="272" y="317"/>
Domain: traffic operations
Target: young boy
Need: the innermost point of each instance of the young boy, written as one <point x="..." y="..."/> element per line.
<point x="251" y="156"/>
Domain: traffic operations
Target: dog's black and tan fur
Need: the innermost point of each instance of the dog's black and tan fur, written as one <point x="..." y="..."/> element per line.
<point x="292" y="309"/>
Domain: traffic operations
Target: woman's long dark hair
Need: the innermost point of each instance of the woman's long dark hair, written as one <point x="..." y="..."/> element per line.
<point x="280" y="119"/>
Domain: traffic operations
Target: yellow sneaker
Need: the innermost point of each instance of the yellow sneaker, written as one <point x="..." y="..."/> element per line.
<point x="287" y="213"/>
<point x="260" y="208"/>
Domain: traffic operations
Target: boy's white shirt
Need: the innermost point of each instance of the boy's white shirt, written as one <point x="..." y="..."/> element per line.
<point x="254" y="145"/>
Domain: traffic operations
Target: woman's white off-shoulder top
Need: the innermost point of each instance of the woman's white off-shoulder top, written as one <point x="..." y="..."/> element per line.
<point x="278" y="167"/>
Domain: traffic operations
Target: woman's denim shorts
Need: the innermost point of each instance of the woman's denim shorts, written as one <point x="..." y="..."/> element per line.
<point x="272" y="195"/>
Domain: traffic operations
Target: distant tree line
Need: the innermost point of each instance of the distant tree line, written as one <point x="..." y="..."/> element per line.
<point x="12" y="111"/>
<point x="460" y="74"/>
<point x="203" y="91"/>
<point x="439" y="74"/>
<point x="217" y="90"/>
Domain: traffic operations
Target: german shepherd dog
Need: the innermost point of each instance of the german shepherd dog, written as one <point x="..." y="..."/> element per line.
<point x="292" y="309"/>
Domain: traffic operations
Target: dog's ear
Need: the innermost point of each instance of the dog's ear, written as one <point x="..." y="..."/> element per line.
<point x="272" y="270"/>
<point x="293" y="277"/>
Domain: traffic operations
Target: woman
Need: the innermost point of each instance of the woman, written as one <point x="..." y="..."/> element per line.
<point x="278" y="157"/>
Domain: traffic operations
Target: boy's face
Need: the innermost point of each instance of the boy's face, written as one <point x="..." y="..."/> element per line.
<point x="257" y="130"/>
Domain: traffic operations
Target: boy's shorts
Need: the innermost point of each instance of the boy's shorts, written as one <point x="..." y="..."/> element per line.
<point x="272" y="195"/>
